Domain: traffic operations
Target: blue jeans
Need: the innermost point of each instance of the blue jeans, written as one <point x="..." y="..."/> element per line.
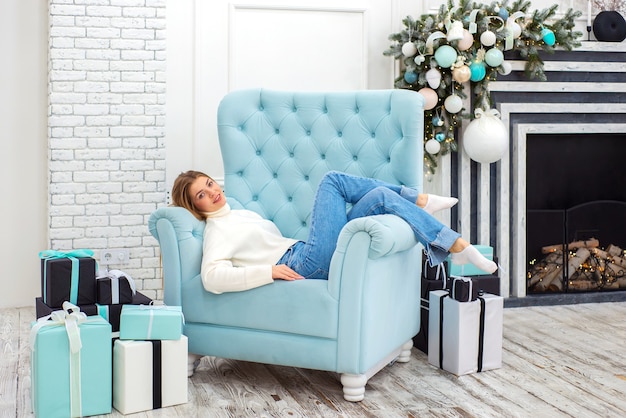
<point x="367" y="196"/>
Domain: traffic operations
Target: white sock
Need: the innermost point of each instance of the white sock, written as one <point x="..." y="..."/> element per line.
<point x="436" y="203"/>
<point x="471" y="255"/>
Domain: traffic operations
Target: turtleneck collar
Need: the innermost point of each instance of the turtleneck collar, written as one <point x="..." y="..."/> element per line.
<point x="223" y="211"/>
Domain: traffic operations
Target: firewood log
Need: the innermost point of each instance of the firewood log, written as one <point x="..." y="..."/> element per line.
<point x="555" y="272"/>
<point x="582" y="285"/>
<point x="614" y="250"/>
<point x="582" y="254"/>
<point x="589" y="243"/>
<point x="541" y="269"/>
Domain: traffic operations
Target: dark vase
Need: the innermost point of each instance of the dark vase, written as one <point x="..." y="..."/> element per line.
<point x="609" y="26"/>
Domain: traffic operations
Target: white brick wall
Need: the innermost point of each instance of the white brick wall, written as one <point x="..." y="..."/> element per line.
<point x="106" y="128"/>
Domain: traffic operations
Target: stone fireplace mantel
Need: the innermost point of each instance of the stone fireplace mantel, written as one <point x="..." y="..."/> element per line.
<point x="585" y="93"/>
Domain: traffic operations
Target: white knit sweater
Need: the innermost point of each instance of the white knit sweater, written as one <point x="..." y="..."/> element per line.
<point x="239" y="250"/>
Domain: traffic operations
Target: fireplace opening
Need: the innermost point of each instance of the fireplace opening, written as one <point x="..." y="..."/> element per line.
<point x="575" y="212"/>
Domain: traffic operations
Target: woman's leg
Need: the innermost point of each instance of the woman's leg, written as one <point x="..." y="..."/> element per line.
<point x="436" y="238"/>
<point x="312" y="258"/>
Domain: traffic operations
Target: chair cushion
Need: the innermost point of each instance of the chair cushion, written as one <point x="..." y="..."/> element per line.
<point x="302" y="307"/>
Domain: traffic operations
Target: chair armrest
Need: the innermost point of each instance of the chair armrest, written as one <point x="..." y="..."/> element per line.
<point x="374" y="275"/>
<point x="180" y="236"/>
<point x="371" y="237"/>
<point x="389" y="234"/>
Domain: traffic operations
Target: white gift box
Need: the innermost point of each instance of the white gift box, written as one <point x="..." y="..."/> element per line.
<point x="149" y="374"/>
<point x="470" y="339"/>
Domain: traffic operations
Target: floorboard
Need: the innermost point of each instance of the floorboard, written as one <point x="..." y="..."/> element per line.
<point x="558" y="361"/>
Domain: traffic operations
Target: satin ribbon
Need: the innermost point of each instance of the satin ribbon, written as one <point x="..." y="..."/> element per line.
<point x="431" y="38"/>
<point x="508" y="43"/>
<point x="152" y="308"/>
<point x="70" y="317"/>
<point x="73" y="255"/>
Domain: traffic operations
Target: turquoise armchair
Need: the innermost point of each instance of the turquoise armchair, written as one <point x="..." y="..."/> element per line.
<point x="276" y="146"/>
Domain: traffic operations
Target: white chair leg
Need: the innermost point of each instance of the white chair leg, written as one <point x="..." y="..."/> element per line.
<point x="405" y="354"/>
<point x="192" y="362"/>
<point x="353" y="386"/>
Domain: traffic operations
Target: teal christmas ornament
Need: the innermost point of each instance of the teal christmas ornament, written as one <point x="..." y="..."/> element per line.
<point x="477" y="71"/>
<point x="410" y="77"/>
<point x="494" y="57"/>
<point x="440" y="136"/>
<point x="503" y="13"/>
<point x="548" y="36"/>
<point x="445" y="56"/>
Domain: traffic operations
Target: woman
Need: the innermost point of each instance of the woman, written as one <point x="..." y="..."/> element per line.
<point x="241" y="250"/>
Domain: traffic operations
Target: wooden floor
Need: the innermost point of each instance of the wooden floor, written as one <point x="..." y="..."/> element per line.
<point x="567" y="360"/>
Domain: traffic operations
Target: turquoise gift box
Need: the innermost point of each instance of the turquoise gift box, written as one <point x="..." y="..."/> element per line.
<point x="151" y="322"/>
<point x="71" y="365"/>
<point x="469" y="269"/>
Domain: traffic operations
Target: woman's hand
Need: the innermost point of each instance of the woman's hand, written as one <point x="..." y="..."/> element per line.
<point x="282" y="272"/>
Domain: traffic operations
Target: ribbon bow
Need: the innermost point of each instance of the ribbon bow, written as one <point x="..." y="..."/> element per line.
<point x="70" y="317"/>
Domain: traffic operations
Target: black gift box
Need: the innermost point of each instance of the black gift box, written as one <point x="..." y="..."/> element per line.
<point x="489" y="283"/>
<point x="56" y="281"/>
<point x="104" y="291"/>
<point x="462" y="289"/>
<point x="433" y="278"/>
<point x="41" y="309"/>
<point x="111" y="313"/>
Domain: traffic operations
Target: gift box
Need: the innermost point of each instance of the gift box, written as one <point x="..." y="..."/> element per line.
<point x="114" y="290"/>
<point x="71" y="358"/>
<point x="433" y="278"/>
<point x="68" y="276"/>
<point x="489" y="283"/>
<point x="41" y="309"/>
<point x="149" y="374"/>
<point x="465" y="337"/>
<point x="151" y="322"/>
<point x="469" y="269"/>
<point x="462" y="289"/>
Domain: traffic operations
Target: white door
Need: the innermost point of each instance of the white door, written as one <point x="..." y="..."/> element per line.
<point x="219" y="46"/>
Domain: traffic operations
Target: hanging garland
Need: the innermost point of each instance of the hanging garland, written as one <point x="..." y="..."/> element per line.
<point x="465" y="43"/>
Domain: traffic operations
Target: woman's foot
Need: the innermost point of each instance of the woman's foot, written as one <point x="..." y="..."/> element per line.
<point x="463" y="252"/>
<point x="432" y="203"/>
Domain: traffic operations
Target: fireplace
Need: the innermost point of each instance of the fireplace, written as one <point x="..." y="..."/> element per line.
<point x="575" y="212"/>
<point x="582" y="103"/>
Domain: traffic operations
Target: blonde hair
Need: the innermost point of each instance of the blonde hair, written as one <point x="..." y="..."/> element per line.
<point x="180" y="192"/>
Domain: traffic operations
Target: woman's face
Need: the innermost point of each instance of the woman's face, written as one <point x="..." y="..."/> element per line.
<point x="206" y="194"/>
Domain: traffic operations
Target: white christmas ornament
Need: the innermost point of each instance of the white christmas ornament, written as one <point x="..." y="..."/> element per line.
<point x="488" y="38"/>
<point x="505" y="68"/>
<point x="486" y="139"/>
<point x="453" y="104"/>
<point x="409" y="49"/>
<point x="433" y="77"/>
<point x="432" y="146"/>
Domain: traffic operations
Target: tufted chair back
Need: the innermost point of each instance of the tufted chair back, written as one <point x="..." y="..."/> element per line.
<point x="277" y="146"/>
